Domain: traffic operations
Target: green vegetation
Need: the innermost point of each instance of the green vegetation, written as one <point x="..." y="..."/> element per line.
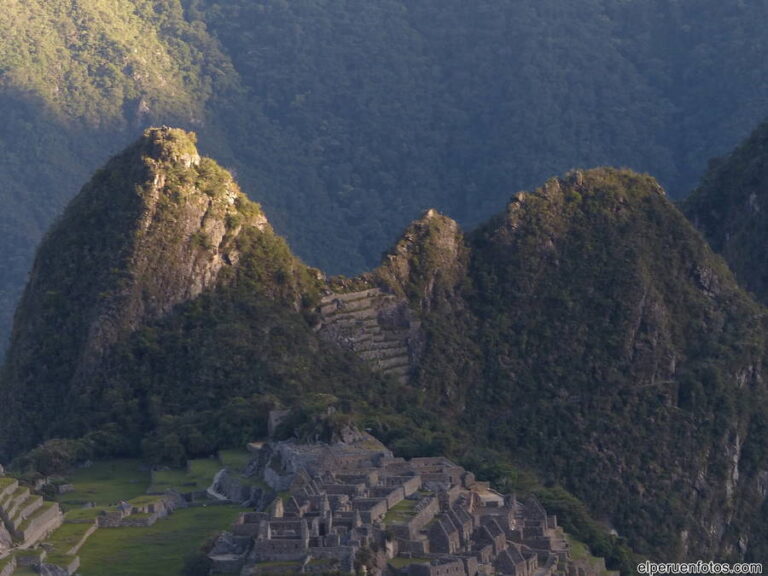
<point x="579" y="552"/>
<point x="157" y="550"/>
<point x="235" y="459"/>
<point x="400" y="512"/>
<point x="729" y="209"/>
<point x="348" y="119"/>
<point x="104" y="483"/>
<point x="196" y="477"/>
<point x="67" y="537"/>
<point x="586" y="329"/>
<point x="82" y="515"/>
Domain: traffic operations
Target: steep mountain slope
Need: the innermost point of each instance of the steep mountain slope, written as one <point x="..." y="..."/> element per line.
<point x="79" y="80"/>
<point x="591" y="331"/>
<point x="157" y="227"/>
<point x="622" y="357"/>
<point x="729" y="209"/>
<point x="349" y="119"/>
<point x="588" y="332"/>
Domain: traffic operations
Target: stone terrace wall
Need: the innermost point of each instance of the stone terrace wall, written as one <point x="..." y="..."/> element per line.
<point x="25" y="515"/>
<point x="377" y="326"/>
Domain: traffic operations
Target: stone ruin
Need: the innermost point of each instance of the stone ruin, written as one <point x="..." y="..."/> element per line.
<point x="337" y="508"/>
<point x="26" y="518"/>
<point x="378" y="327"/>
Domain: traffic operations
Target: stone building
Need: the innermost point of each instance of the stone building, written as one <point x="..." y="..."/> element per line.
<point x="338" y="507"/>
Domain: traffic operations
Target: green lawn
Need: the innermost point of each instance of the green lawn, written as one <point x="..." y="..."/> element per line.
<point x="67" y="536"/>
<point x="82" y="515"/>
<point x="197" y="476"/>
<point x="235" y="460"/>
<point x="400" y="512"/>
<point x="155" y="551"/>
<point x="105" y="483"/>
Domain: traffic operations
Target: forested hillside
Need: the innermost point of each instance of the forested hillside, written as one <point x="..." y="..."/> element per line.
<point x="348" y="118"/>
<point x="587" y="332"/>
<point x="729" y="209"/>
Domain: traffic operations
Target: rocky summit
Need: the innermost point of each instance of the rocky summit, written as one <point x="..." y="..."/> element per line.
<point x="587" y="333"/>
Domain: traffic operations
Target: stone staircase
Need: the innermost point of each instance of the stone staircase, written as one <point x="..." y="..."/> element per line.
<point x="376" y="326"/>
<point x="25" y="515"/>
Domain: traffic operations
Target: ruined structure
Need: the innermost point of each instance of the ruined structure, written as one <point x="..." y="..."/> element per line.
<point x="26" y="518"/>
<point x="27" y="522"/>
<point x="379" y="327"/>
<point x="350" y="505"/>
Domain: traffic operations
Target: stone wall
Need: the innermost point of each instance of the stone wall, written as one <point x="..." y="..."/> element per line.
<point x="379" y="327"/>
<point x="44" y="521"/>
<point x="55" y="569"/>
<point x="391" y="495"/>
<point x="371" y="509"/>
<point x="428" y="508"/>
<point x="25" y="516"/>
<point x="447" y="568"/>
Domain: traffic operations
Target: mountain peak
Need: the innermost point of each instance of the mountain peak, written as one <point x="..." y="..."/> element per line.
<point x="430" y="258"/>
<point x="171" y="145"/>
<point x="729" y="210"/>
<point x="156" y="227"/>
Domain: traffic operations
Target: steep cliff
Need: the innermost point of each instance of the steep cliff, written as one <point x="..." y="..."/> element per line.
<point x="158" y="226"/>
<point x="588" y="332"/>
<point x="730" y="208"/>
<point x="621" y="356"/>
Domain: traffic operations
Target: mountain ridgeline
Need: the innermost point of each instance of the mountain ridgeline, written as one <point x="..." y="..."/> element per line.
<point x="157" y="227"/>
<point x="587" y="333"/>
<point x="729" y="207"/>
<point x="347" y="119"/>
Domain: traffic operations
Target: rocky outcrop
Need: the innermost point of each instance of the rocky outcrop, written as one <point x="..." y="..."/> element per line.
<point x="381" y="321"/>
<point x="156" y="227"/>
<point x="428" y="264"/>
<point x="6" y="541"/>
<point x="7" y="565"/>
<point x="730" y="209"/>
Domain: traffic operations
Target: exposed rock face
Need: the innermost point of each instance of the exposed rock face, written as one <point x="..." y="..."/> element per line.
<point x="428" y="263"/>
<point x="382" y="323"/>
<point x="5" y="539"/>
<point x="155" y="228"/>
<point x="617" y="341"/>
<point x="730" y="208"/>
<point x="588" y="331"/>
<point x="188" y="220"/>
